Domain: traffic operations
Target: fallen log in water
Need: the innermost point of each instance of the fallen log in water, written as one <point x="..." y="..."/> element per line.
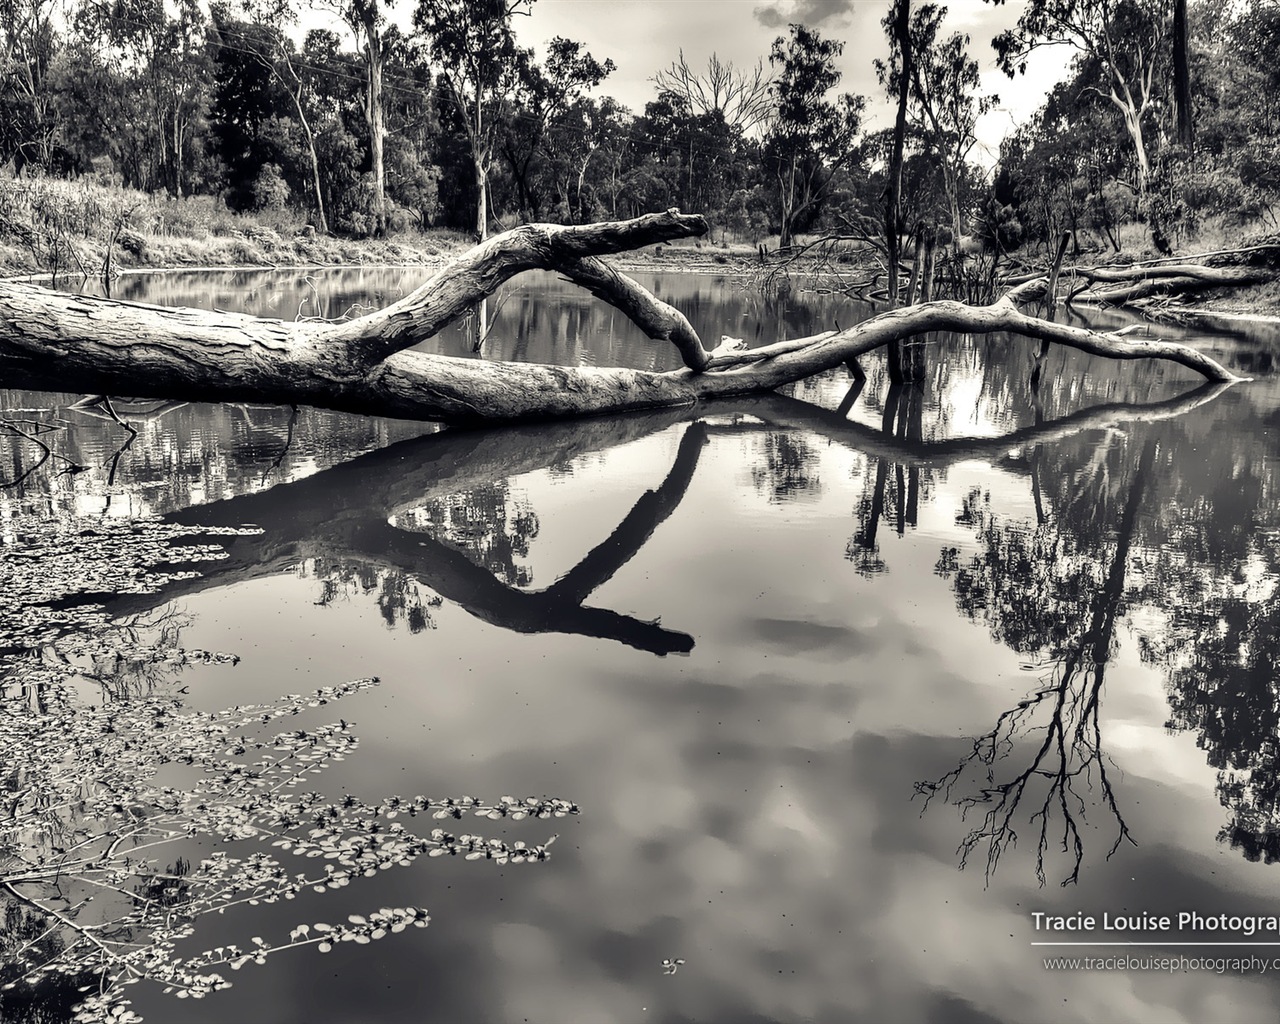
<point x="55" y="341"/>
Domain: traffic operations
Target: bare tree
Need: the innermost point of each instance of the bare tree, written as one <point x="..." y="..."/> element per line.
<point x="739" y="96"/>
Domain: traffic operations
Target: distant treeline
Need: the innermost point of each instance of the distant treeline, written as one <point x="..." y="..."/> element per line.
<point x="1166" y="115"/>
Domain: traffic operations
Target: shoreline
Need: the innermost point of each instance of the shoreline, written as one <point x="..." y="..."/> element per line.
<point x="670" y="258"/>
<point x="688" y="261"/>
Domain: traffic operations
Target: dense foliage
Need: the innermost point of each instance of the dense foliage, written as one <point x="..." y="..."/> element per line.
<point x="385" y="127"/>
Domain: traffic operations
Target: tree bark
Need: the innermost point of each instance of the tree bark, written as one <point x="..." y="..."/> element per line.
<point x="56" y="341"/>
<point x="1182" y="76"/>
<point x="1133" y="283"/>
<point x="368" y="15"/>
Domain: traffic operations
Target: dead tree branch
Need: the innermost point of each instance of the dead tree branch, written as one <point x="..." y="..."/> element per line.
<point x="100" y="346"/>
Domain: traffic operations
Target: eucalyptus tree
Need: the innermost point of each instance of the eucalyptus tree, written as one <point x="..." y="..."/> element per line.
<point x="897" y="24"/>
<point x="724" y="106"/>
<point x="247" y="100"/>
<point x="274" y="50"/>
<point x="544" y="92"/>
<point x="29" y="42"/>
<point x="475" y="52"/>
<point x="810" y="135"/>
<point x="1126" y="38"/>
<point x="367" y="19"/>
<point x="701" y="159"/>
<point x="944" y="107"/>
<point x="1066" y="166"/>
<point x="145" y="77"/>
<point x="1182" y="102"/>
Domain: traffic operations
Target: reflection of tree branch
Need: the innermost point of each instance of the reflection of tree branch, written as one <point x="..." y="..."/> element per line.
<point x="558" y="608"/>
<point x="326" y="514"/>
<point x="342" y="513"/>
<point x="288" y="443"/>
<point x="46" y="452"/>
<point x="783" y="411"/>
<point x="634" y="531"/>
<point x="1069" y="750"/>
<point x="1071" y="747"/>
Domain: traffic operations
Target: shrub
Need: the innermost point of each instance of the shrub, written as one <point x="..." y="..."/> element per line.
<point x="270" y="190"/>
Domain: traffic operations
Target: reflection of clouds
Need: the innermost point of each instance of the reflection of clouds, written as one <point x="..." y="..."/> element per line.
<point x="832" y="903"/>
<point x="792" y="636"/>
<point x="747" y="808"/>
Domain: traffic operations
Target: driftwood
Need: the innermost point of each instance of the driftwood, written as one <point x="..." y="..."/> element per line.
<point x="1168" y="276"/>
<point x="55" y="341"/>
<point x="1132" y="283"/>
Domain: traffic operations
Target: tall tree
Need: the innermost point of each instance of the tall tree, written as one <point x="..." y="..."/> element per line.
<point x="945" y="109"/>
<point x="1182" y="76"/>
<point x="152" y="73"/>
<point x="366" y="19"/>
<point x="898" y="24"/>
<point x="810" y="135"/>
<point x="475" y="51"/>
<point x="1125" y="37"/>
<point x="274" y="51"/>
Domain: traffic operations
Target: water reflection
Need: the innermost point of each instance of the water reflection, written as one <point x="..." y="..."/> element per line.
<point x="854" y="575"/>
<point x="1137" y="525"/>
<point x="1058" y="604"/>
<point x="453" y="530"/>
<point x="339" y="519"/>
<point x="64" y="455"/>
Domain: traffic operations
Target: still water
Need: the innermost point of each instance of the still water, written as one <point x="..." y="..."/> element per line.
<point x="846" y="684"/>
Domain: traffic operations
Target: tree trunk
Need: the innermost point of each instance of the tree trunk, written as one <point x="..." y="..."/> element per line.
<point x="788" y="194"/>
<point x="1182" y="76"/>
<point x="482" y="201"/>
<point x="893" y="196"/>
<point x="177" y="154"/>
<point x="1132" y="283"/>
<point x="1133" y="125"/>
<point x="377" y="129"/>
<point x="322" y="222"/>
<point x="55" y="341"/>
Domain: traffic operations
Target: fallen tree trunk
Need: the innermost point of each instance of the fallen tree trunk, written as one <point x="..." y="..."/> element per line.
<point x="1170" y="277"/>
<point x="54" y="341"/>
<point x="1135" y="283"/>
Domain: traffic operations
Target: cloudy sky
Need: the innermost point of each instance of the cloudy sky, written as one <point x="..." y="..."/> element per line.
<point x="644" y="36"/>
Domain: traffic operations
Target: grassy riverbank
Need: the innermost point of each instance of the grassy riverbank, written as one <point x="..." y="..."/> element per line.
<point x="80" y="228"/>
<point x="50" y="226"/>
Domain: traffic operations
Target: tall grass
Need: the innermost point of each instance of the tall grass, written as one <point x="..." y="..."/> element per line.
<point x="87" y="209"/>
<point x="86" y="227"/>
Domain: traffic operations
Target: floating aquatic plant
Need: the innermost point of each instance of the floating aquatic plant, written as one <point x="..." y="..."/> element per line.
<point x="93" y="808"/>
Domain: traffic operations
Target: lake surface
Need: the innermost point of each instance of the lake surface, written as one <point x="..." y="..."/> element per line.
<point x="846" y="686"/>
